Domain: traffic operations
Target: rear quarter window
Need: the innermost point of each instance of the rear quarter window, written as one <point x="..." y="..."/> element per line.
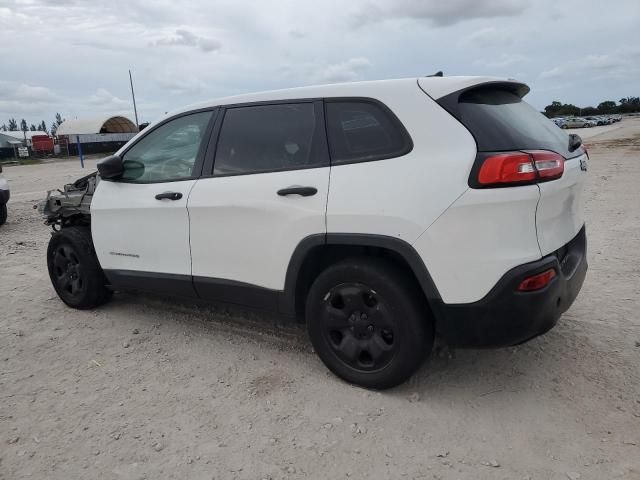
<point x="361" y="130"/>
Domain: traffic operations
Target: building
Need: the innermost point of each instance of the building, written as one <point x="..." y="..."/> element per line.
<point x="9" y="141"/>
<point x="96" y="134"/>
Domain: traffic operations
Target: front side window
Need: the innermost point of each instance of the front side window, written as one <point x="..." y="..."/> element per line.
<point x="267" y="138"/>
<point x="167" y="153"/>
<point x="362" y="131"/>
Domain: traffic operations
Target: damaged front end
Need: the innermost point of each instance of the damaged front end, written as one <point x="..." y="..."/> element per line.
<point x="71" y="205"/>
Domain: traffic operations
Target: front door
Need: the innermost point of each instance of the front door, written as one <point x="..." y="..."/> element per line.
<point x="140" y="224"/>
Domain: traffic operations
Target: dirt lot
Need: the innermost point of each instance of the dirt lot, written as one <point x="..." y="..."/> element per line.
<point x="151" y="388"/>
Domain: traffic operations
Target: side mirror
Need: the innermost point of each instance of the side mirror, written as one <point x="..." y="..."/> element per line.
<point x="111" y="168"/>
<point x="574" y="142"/>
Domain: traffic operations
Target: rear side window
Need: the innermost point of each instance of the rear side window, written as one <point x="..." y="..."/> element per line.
<point x="361" y="131"/>
<point x="267" y="138"/>
<point x="501" y="121"/>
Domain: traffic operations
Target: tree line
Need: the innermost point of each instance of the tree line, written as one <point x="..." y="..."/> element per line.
<point x="608" y="107"/>
<point x="24" y="126"/>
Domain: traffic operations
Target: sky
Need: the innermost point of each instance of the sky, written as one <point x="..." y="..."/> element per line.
<point x="73" y="56"/>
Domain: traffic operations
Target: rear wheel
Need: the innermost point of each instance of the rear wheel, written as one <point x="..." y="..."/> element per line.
<point x="368" y="323"/>
<point x="74" y="269"/>
<point x="3" y="214"/>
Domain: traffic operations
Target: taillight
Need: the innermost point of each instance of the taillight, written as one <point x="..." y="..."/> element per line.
<point x="538" y="281"/>
<point x="549" y="165"/>
<point x="518" y="168"/>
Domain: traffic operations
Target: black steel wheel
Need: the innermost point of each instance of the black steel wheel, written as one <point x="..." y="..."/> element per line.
<point x="359" y="327"/>
<point x="368" y="322"/>
<point x="74" y="270"/>
<point x="68" y="271"/>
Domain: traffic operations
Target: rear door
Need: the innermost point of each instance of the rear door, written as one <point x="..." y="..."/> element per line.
<point x="266" y="192"/>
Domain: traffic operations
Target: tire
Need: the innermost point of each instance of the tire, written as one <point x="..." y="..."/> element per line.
<point x="3" y="214"/>
<point x="74" y="270"/>
<point x="368" y="322"/>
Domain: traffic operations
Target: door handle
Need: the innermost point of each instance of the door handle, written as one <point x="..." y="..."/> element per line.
<point x="295" y="190"/>
<point x="169" y="196"/>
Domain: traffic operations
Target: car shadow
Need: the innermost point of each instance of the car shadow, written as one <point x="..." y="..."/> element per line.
<point x="465" y="374"/>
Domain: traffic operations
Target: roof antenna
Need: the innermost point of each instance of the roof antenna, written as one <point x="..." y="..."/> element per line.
<point x="437" y="74"/>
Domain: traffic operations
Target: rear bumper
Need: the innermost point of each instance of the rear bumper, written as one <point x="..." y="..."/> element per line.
<point x="4" y="197"/>
<point x="506" y="316"/>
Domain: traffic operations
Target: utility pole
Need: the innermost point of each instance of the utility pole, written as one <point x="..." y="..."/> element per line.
<point x="135" y="110"/>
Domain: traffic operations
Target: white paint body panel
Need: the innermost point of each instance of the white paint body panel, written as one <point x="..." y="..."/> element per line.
<point x="242" y="230"/>
<point x="560" y="212"/>
<point x="401" y="197"/>
<point x="478" y="239"/>
<point x="127" y="220"/>
<point x="4" y="185"/>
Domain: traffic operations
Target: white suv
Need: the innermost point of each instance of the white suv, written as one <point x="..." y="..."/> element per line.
<point x="381" y="213"/>
<point x="4" y="197"/>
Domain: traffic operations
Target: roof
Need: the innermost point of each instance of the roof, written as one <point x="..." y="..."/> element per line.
<point x="20" y="135"/>
<point x="436" y="87"/>
<point x="101" y="124"/>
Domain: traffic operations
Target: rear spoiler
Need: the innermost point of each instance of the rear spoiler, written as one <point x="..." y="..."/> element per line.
<point x="440" y="87"/>
<point x="450" y="101"/>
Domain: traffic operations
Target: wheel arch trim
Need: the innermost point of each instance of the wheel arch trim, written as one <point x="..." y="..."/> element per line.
<point x="400" y="247"/>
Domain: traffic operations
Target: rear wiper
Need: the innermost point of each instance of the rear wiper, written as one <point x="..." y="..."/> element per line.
<point x="574" y="142"/>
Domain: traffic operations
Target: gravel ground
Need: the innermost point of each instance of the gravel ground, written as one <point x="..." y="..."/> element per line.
<point x="152" y="388"/>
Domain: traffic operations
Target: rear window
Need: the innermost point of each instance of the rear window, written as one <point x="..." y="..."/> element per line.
<point x="361" y="131"/>
<point x="501" y="121"/>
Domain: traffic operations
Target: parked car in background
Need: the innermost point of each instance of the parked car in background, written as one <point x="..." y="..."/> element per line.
<point x="577" y="122"/>
<point x="4" y="197"/>
<point x="600" y="120"/>
<point x="560" y="122"/>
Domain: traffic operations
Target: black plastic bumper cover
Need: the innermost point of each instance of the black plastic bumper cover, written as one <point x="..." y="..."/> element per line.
<point x="4" y="197"/>
<point x="506" y="316"/>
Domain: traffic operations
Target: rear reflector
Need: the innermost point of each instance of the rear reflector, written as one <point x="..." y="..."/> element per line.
<point x="536" y="282"/>
<point x="519" y="168"/>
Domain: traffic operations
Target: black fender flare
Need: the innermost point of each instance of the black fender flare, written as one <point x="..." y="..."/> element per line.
<point x="402" y="248"/>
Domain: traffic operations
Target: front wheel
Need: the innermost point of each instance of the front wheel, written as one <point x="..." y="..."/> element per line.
<point x="368" y="322"/>
<point x="74" y="270"/>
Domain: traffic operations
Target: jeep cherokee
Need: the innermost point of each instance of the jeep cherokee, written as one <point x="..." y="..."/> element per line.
<point x="380" y="213"/>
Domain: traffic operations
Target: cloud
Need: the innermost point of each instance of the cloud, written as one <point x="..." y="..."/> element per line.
<point x="502" y="61"/>
<point x="554" y="72"/>
<point x="184" y="37"/>
<point x="618" y="64"/>
<point x="180" y="85"/>
<point x="489" y="37"/>
<point x="439" y="12"/>
<point x="32" y="93"/>
<point x="105" y="100"/>
<point x="346" y="71"/>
